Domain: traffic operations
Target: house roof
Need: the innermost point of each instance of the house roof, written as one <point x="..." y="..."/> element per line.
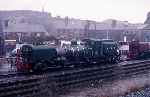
<point x="60" y="23"/>
<point x="24" y="27"/>
<point x="119" y="25"/>
<point x="146" y="27"/>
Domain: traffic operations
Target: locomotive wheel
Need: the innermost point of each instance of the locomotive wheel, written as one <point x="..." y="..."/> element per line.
<point x="116" y="59"/>
<point x="110" y="59"/>
<point x="40" y="66"/>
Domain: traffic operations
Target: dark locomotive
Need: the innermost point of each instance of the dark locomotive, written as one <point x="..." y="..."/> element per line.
<point x="35" y="58"/>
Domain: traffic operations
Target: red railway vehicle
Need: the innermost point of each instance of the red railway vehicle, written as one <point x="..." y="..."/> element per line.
<point x="136" y="47"/>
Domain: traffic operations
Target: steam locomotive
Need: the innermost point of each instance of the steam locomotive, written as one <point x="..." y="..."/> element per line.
<point x="39" y="58"/>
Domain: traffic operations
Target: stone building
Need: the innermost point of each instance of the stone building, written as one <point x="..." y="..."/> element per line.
<point x="19" y="31"/>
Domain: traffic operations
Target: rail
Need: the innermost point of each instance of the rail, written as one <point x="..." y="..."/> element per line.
<point x="8" y="60"/>
<point x="47" y="84"/>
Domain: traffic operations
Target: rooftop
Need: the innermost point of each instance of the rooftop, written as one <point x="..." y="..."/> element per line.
<point x="24" y="27"/>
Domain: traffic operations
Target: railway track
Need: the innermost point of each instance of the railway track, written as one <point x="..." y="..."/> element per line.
<point x="23" y="87"/>
<point x="9" y="75"/>
<point x="136" y="68"/>
<point x="79" y="76"/>
<point x="54" y="81"/>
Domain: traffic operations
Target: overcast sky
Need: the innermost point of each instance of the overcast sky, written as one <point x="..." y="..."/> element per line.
<point x="134" y="11"/>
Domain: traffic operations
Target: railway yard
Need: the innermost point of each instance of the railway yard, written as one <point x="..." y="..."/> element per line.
<point x="84" y="48"/>
<point x="36" y="65"/>
<point x="126" y="78"/>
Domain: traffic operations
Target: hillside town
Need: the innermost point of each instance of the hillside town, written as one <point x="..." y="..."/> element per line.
<point x="26" y="25"/>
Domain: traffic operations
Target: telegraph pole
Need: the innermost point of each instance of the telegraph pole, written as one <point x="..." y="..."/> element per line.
<point x="107" y="37"/>
<point x="43" y="6"/>
<point x="86" y="28"/>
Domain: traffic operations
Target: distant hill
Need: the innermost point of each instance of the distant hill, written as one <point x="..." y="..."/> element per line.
<point x="51" y="24"/>
<point x="148" y="19"/>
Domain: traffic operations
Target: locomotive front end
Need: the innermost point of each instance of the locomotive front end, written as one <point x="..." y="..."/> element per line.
<point x="24" y="58"/>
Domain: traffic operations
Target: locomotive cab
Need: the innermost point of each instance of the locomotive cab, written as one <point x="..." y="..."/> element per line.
<point x="104" y="50"/>
<point x="37" y="58"/>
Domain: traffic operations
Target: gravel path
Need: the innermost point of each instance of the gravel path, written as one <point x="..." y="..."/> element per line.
<point x="140" y="93"/>
<point x="115" y="89"/>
